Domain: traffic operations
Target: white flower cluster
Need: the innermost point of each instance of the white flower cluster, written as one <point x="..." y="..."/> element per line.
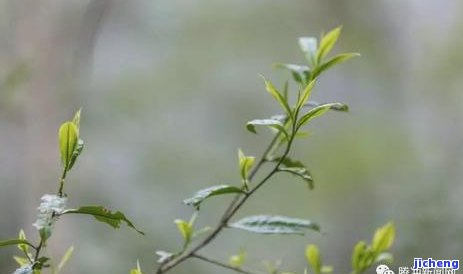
<point x="27" y="269"/>
<point x="50" y="205"/>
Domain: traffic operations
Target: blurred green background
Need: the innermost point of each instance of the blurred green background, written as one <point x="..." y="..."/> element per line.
<point x="166" y="87"/>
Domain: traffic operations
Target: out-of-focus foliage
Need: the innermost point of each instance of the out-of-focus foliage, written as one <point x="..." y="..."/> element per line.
<point x="364" y="256"/>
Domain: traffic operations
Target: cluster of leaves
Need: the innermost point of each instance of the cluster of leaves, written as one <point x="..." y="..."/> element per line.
<point x="54" y="206"/>
<point x="363" y="256"/>
<point x="297" y="112"/>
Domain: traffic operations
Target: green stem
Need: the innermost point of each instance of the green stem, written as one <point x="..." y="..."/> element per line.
<point x="28" y="255"/>
<point x="61" y="182"/>
<point x="42" y="243"/>
<point x="38" y="249"/>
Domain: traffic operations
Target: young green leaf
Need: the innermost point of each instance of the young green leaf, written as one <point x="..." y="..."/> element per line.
<point x="104" y="215"/>
<point x="301" y="172"/>
<point x="45" y="232"/>
<point x="267" y="224"/>
<point x="313" y="113"/>
<point x="305" y="95"/>
<point x="308" y="46"/>
<point x="383" y="238"/>
<point x="288" y="162"/>
<point x="21" y="261"/>
<point x="364" y="256"/>
<point x="301" y="74"/>
<point x="358" y="256"/>
<point x="23" y="247"/>
<point x="327" y="42"/>
<point x="238" y="260"/>
<point x="15" y="242"/>
<point x="68" y="138"/>
<point x="340" y="58"/>
<point x="273" y="123"/>
<point x="337" y="107"/>
<point x="318" y="111"/>
<point x="278" y="96"/>
<point x="185" y="229"/>
<point x="313" y="258"/>
<point x="367" y="260"/>
<point x="76" y="119"/>
<point x="245" y="164"/>
<point x="42" y="262"/>
<point x="286" y="90"/>
<point x="77" y="151"/>
<point x="203" y="194"/>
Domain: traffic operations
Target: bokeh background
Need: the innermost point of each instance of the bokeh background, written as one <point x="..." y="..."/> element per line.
<point x="166" y="87"/>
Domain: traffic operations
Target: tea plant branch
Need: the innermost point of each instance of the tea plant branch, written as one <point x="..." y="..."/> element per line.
<point x="164" y="267"/>
<point x="254" y="171"/>
<point x="221" y="264"/>
<point x="53" y="206"/>
<point x="232" y="209"/>
<point x="236" y="204"/>
<point x="287" y="127"/>
<point x="274" y="170"/>
<point x="42" y="243"/>
<point x="61" y="182"/>
<point x="38" y="249"/>
<point x="261" y="183"/>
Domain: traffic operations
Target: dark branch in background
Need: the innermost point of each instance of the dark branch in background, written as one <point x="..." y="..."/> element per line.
<point x="92" y="22"/>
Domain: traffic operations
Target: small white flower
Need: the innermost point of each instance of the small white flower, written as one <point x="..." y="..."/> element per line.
<point x="27" y="269"/>
<point x="51" y="204"/>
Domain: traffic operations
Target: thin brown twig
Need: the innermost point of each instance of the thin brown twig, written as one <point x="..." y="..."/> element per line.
<point x="221" y="264"/>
